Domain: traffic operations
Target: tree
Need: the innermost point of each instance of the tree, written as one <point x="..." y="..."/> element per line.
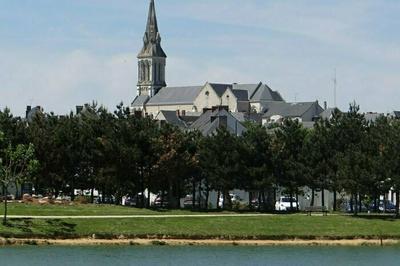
<point x="318" y="156"/>
<point x="290" y="168"/>
<point x="222" y="161"/>
<point x="391" y="156"/>
<point x="15" y="165"/>
<point x="351" y="133"/>
<point x="259" y="164"/>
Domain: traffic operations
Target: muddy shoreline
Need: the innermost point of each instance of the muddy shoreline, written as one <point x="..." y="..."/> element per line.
<point x="196" y="242"/>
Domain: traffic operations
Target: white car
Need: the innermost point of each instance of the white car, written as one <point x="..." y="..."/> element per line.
<point x="283" y="204"/>
<point x="234" y="199"/>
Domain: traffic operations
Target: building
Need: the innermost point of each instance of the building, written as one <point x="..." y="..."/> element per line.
<point x="213" y="104"/>
<point x="154" y="98"/>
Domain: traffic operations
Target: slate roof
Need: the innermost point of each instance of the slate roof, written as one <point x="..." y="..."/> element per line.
<point x="396" y="114"/>
<point x="140" y="101"/>
<point x="172" y="117"/>
<point x="175" y="96"/>
<point x="276" y="96"/>
<point x="241" y="95"/>
<point x="207" y="126"/>
<point x="259" y="92"/>
<point x="264" y="93"/>
<point x="327" y="114"/>
<point x="287" y="109"/>
<point x="220" y="88"/>
<point x="250" y="88"/>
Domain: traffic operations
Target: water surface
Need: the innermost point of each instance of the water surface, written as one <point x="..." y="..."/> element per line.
<point x="190" y="255"/>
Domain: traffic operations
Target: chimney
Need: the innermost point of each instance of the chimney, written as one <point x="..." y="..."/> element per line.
<point x="28" y="109"/>
<point x="325" y="105"/>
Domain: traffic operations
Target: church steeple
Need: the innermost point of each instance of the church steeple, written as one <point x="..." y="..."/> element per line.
<point x="152" y="58"/>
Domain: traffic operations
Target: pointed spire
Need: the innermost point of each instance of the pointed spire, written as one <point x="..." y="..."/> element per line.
<point x="152" y="39"/>
<point x="152" y="27"/>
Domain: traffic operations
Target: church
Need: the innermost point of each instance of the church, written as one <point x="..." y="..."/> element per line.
<point x="182" y="106"/>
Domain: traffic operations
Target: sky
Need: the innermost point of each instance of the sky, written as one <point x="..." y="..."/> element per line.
<point x="63" y="53"/>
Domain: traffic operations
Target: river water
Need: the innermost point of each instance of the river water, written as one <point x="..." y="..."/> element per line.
<point x="190" y="255"/>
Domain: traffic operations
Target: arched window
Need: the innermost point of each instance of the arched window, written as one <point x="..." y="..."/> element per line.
<point x="148" y="70"/>
<point x="142" y="71"/>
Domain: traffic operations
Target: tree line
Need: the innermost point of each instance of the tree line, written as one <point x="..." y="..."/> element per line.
<point x="121" y="154"/>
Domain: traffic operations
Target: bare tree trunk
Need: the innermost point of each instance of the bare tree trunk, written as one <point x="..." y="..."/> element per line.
<point x="351" y="203"/>
<point x="72" y="193"/>
<point x="148" y="198"/>
<point x="5" y="205"/>
<point x="142" y="188"/>
<point x="259" y="201"/>
<point x="384" y="202"/>
<point x="17" y="194"/>
<point x="264" y="201"/>
<point x="291" y="200"/>
<point x="92" y="196"/>
<point x="323" y="197"/>
<point x="199" y="192"/>
<point x="207" y="195"/>
<point x="162" y="198"/>
<point x="334" y="200"/>
<point x="356" y="204"/>
<point x="218" y="196"/>
<point x="312" y="197"/>
<point x="376" y="207"/>
<point x="193" y="194"/>
<point x="397" y="202"/>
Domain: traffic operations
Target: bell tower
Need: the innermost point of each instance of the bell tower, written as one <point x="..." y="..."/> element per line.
<point x="151" y="59"/>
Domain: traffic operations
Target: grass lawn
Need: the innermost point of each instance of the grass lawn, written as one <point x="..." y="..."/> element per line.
<point x="265" y="227"/>
<point x="84" y="209"/>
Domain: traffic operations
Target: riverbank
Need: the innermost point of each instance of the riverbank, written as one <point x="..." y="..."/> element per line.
<point x="104" y="224"/>
<point x="195" y="242"/>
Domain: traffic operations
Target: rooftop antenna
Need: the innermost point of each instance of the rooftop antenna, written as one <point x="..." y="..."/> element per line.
<point x="334" y="89"/>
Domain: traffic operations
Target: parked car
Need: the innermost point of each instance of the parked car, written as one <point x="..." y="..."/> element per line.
<point x="283" y="204"/>
<point x="234" y="199"/>
<point x="188" y="201"/>
<point x="390" y="206"/>
<point x="107" y="200"/>
<point x="161" y="202"/>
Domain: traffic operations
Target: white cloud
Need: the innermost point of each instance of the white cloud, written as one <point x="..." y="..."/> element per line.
<point x="292" y="45"/>
<point x="58" y="83"/>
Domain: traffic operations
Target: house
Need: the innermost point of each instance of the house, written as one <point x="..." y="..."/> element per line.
<point x="218" y="117"/>
<point x="302" y="111"/>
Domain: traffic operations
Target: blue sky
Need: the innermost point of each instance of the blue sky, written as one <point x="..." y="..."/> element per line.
<point x="62" y="53"/>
